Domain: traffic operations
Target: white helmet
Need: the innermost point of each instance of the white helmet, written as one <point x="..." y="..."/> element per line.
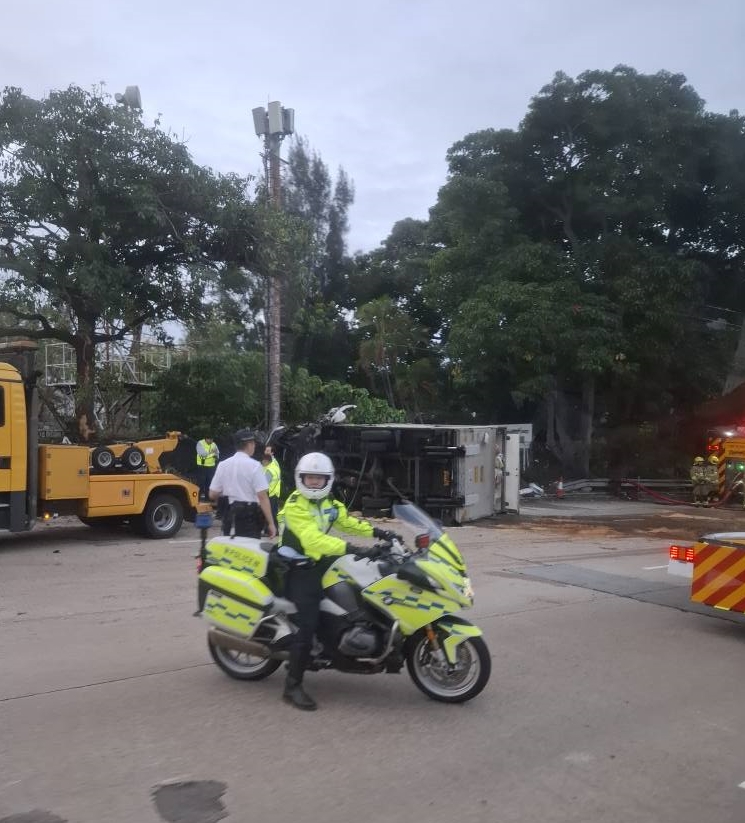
<point x="314" y="463"/>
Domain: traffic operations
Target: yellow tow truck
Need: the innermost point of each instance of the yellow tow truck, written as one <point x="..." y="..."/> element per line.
<point x="105" y="485"/>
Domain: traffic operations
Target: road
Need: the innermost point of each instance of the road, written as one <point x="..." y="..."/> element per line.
<point x="611" y="700"/>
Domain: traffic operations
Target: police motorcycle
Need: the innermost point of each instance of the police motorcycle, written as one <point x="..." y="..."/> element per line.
<point x="378" y="614"/>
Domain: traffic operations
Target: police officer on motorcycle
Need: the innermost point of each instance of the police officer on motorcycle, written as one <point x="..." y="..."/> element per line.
<point x="305" y="521"/>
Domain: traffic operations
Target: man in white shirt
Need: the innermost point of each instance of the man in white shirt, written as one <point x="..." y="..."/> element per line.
<point x="241" y="479"/>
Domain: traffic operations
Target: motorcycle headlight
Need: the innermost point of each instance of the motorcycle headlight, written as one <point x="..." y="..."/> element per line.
<point x="467" y="588"/>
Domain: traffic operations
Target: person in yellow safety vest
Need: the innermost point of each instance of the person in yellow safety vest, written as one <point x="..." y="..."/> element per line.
<point x="307" y="517"/>
<point x="698" y="481"/>
<point x="273" y="473"/>
<point x="711" y="477"/>
<point x="207" y="456"/>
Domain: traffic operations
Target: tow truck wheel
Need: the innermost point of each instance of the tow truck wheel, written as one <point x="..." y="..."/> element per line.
<point x="162" y="517"/>
<point x="133" y="458"/>
<point x="102" y="458"/>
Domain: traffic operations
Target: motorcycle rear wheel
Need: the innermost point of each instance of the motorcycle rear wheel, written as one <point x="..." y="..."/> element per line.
<point x="472" y="670"/>
<point x="242" y="666"/>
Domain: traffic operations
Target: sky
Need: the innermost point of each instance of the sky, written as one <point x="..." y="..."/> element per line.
<point x="381" y="88"/>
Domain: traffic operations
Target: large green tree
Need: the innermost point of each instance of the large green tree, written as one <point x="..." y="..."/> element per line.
<point x="110" y="222"/>
<point x="580" y="253"/>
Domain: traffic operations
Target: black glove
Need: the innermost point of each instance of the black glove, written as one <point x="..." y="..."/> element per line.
<point x="362" y="551"/>
<point x="384" y="534"/>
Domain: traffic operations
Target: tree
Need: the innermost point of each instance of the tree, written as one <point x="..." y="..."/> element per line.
<point x="579" y="252"/>
<point x="398" y="269"/>
<point x="391" y="279"/>
<point x="230" y="388"/>
<point x="111" y="220"/>
<point x="391" y="342"/>
<point x="317" y="334"/>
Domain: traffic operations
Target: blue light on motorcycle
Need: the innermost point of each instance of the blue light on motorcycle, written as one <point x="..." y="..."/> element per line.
<point x="203" y="520"/>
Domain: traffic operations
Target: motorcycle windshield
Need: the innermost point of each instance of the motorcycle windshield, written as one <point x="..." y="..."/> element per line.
<point x="422" y="523"/>
<point x="419" y="520"/>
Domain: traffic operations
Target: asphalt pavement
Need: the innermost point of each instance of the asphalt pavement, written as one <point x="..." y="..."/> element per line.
<point x="611" y="699"/>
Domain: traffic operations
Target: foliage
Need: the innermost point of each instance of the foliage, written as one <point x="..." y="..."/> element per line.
<point x="319" y="337"/>
<point x="578" y="254"/>
<point x="369" y="409"/>
<point x="391" y="341"/>
<point x="221" y="394"/>
<point x="210" y="395"/>
<point x="398" y="352"/>
<point x="108" y="220"/>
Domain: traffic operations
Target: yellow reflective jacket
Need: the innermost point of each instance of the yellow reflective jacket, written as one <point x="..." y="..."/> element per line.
<point x="210" y="453"/>
<point x="304" y="526"/>
<point x="274" y="477"/>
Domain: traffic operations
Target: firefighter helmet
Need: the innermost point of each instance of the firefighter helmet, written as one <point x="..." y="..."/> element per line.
<point x="713" y="459"/>
<point x="697" y="461"/>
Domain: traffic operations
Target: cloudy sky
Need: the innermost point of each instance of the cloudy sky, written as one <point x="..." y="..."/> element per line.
<point x="382" y="87"/>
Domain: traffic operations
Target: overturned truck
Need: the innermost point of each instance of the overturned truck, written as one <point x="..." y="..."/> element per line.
<point x="455" y="473"/>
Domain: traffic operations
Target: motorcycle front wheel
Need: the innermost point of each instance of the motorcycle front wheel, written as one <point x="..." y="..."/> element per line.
<point x="240" y="665"/>
<point x="449" y="684"/>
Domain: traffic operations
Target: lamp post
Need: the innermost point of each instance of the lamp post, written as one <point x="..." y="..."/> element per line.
<point x="273" y="124"/>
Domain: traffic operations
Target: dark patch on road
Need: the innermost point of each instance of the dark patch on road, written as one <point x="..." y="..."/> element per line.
<point x="192" y="801"/>
<point x="674" y="522"/>
<point x="35" y="816"/>
<point x="669" y="595"/>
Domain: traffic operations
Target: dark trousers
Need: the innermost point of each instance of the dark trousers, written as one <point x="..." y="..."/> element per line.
<point x="204" y="476"/>
<point x="274" y="503"/>
<point x="247" y="519"/>
<point x="303" y="587"/>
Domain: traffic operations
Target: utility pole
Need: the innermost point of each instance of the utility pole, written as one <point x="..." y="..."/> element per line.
<point x="273" y="124"/>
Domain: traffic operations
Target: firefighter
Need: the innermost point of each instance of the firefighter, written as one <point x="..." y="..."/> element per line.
<point x="698" y="481"/>
<point x="711" y="476"/>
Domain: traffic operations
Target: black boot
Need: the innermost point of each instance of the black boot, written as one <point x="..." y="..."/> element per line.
<point x="296" y="695"/>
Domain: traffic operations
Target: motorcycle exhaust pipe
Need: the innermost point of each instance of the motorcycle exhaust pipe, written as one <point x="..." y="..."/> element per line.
<point x="240" y="644"/>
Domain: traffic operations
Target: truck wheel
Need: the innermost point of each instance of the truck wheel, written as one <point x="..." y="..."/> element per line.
<point x="102" y="458"/>
<point x="377" y="441"/>
<point x="163" y="516"/>
<point x="375" y="436"/>
<point x="133" y="458"/>
<point x="376" y="447"/>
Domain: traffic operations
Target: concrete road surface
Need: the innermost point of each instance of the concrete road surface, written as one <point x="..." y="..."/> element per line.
<point x="611" y="701"/>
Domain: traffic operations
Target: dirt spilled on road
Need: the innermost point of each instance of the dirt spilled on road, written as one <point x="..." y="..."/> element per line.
<point x="688" y="524"/>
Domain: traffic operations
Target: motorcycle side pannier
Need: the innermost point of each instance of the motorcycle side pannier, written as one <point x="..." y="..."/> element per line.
<point x="244" y="554"/>
<point x="233" y="601"/>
